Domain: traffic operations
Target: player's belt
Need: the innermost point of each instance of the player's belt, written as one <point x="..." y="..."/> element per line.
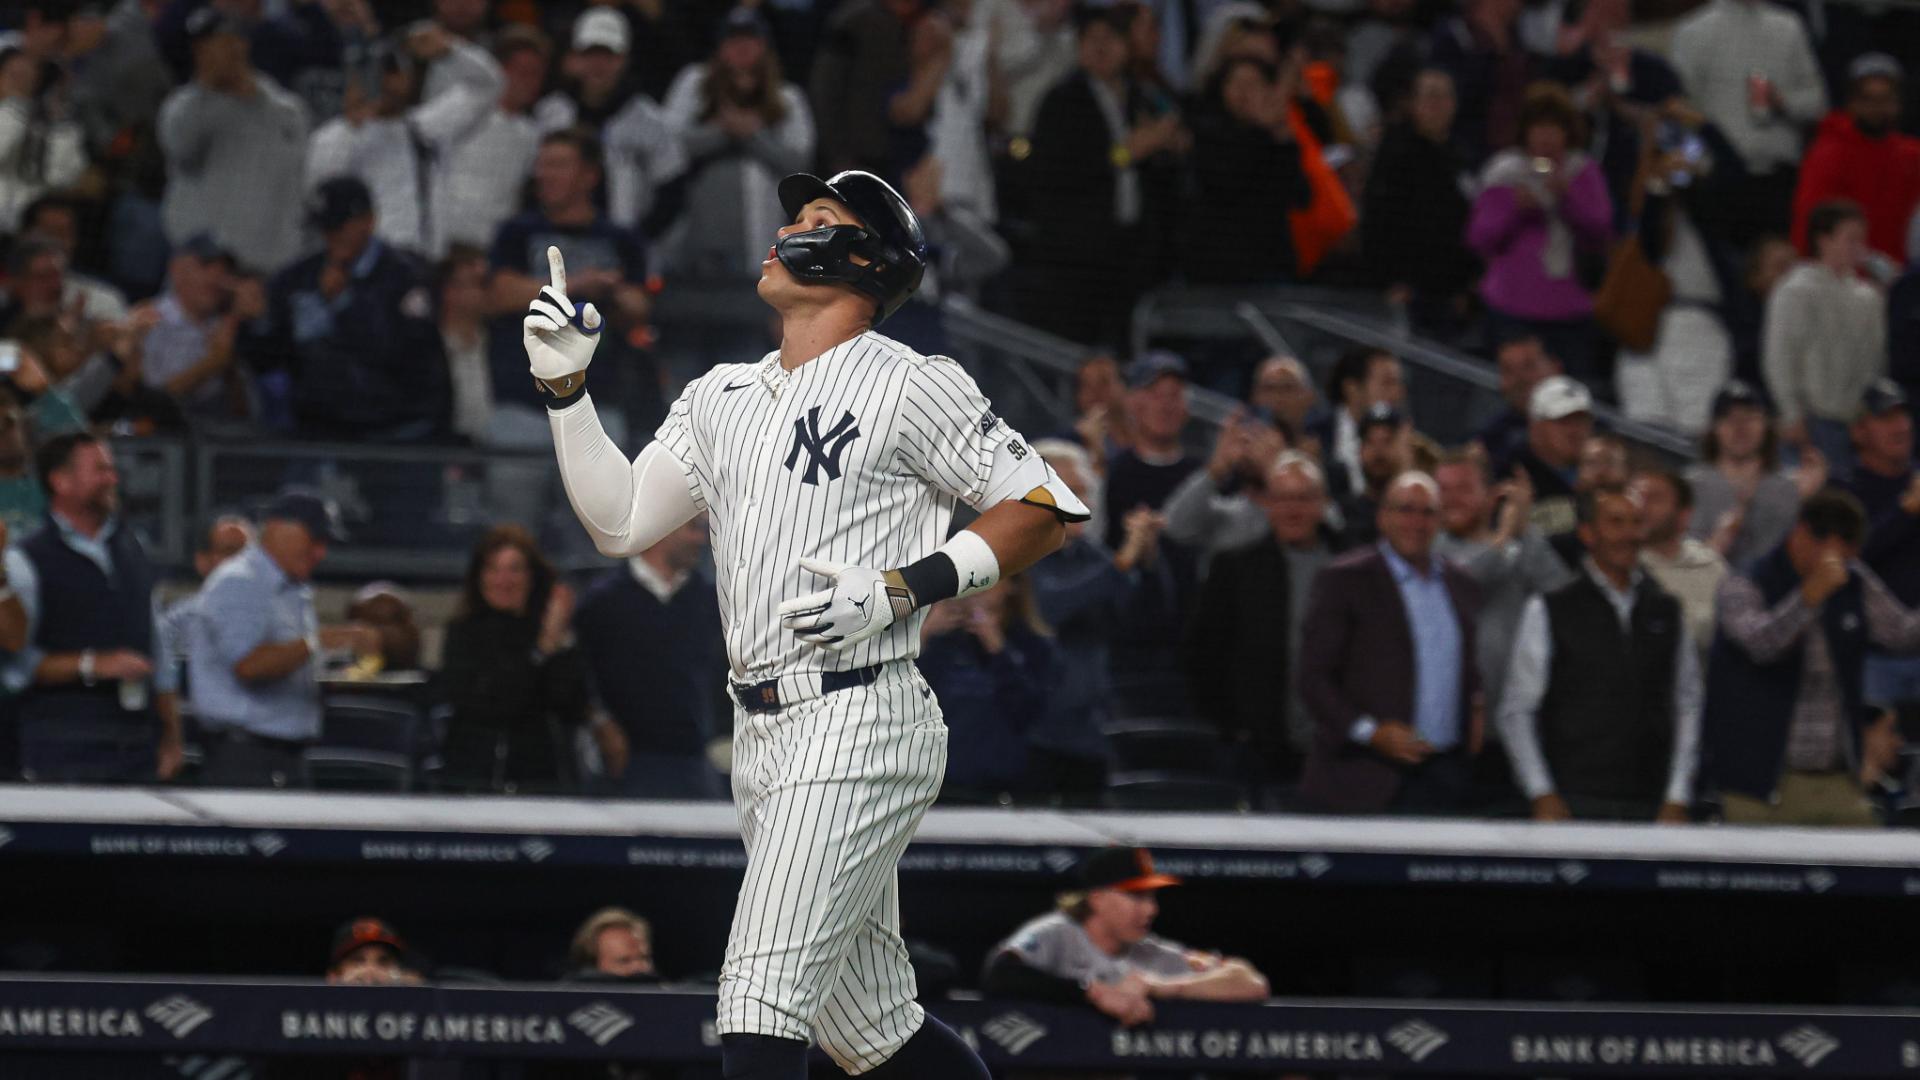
<point x="763" y="697"/>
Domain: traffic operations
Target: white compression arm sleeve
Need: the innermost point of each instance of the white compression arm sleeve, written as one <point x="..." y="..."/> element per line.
<point x="626" y="507"/>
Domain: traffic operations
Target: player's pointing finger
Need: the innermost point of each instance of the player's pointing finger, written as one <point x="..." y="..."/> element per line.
<point x="557" y="266"/>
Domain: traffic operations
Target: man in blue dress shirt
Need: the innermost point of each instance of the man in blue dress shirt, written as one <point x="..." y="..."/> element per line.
<point x="254" y="650"/>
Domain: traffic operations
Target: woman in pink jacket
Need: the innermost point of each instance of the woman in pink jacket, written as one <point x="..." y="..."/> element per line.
<point x="1542" y="206"/>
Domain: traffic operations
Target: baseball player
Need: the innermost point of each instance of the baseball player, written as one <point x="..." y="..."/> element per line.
<point x="830" y="469"/>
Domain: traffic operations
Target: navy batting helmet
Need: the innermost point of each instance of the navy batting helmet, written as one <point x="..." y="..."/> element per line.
<point x="882" y="257"/>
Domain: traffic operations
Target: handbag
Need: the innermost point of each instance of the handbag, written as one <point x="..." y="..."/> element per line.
<point x="1634" y="291"/>
<point x="1632" y="296"/>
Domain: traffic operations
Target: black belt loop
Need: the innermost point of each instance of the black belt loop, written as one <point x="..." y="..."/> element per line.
<point x="764" y="697"/>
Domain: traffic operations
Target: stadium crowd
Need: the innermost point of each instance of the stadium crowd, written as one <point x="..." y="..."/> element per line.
<point x="322" y="219"/>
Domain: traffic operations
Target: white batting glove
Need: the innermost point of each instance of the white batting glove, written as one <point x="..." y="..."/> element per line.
<point x="559" y="337"/>
<point x="859" y="604"/>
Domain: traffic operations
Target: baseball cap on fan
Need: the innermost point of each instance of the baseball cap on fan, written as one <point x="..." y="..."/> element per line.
<point x="1154" y="364"/>
<point x="309" y="508"/>
<point x="209" y="21"/>
<point x="1128" y="869"/>
<point x="1559" y="397"/>
<point x="1736" y="394"/>
<point x="601" y="28"/>
<point x="351" y="937"/>
<point x="1882" y="397"/>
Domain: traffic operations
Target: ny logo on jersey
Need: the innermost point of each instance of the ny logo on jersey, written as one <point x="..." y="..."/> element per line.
<point x="823" y="450"/>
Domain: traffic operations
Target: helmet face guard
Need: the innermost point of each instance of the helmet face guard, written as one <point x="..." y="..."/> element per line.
<point x="884" y="257"/>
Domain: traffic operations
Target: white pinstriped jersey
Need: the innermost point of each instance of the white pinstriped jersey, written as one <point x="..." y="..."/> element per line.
<point x="858" y="456"/>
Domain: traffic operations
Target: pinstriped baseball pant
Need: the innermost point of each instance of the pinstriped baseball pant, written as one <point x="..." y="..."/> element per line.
<point x="829" y="792"/>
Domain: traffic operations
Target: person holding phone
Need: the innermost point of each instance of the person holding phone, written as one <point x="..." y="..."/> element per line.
<point x="1542" y="206"/>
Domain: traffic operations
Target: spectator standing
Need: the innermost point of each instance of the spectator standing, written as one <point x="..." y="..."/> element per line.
<point x="41" y="149"/>
<point x="485" y="172"/>
<point x="255" y="648"/>
<point x="1683" y="566"/>
<point x="515" y="680"/>
<point x="1089" y="199"/>
<point x="1481" y="49"/>
<point x="1542" y="207"/>
<point x="744" y="127"/>
<point x="189" y="353"/>
<point x="1247" y="165"/>
<point x="1826" y="336"/>
<point x="1601" y="712"/>
<point x="1487" y="531"/>
<point x="1144" y="474"/>
<point x="1681" y="229"/>
<point x="348" y="348"/>
<point x="860" y="75"/>
<point x="1389" y="673"/>
<point x="1744" y="503"/>
<point x="1414" y="211"/>
<point x="1362" y="378"/>
<point x="1213" y="509"/>
<point x="1753" y="72"/>
<point x="1790" y="737"/>
<point x="650" y="634"/>
<point x="463" y="306"/>
<point x="1034" y="49"/>
<point x="1888" y="487"/>
<point x="223" y="538"/>
<point x="1523" y="364"/>
<point x="1614" y="83"/>
<point x="613" y="944"/>
<point x="988" y="659"/>
<point x="1385" y="452"/>
<point x="55" y="219"/>
<point x="969" y="99"/>
<point x="643" y="163"/>
<point x="391" y="136"/>
<point x="1242" y="651"/>
<point x="1559" y="423"/>
<point x="99" y="711"/>
<point x="1082" y="592"/>
<point x="1283" y="390"/>
<point x="236" y="145"/>
<point x="1861" y="155"/>
<point x="606" y="264"/>
<point x="1099" y="948"/>
<point x="1100" y="421"/>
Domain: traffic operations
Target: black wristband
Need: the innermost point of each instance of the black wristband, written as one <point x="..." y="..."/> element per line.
<point x="932" y="579"/>
<point x="556" y="403"/>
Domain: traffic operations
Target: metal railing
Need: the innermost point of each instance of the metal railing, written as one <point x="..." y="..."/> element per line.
<point x="1454" y="393"/>
<point x="414" y="512"/>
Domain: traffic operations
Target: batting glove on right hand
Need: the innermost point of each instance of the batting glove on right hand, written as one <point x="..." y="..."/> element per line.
<point x="559" y="337"/>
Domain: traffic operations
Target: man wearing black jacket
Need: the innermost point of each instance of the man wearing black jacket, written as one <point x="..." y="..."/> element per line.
<point x="1099" y="948"/>
<point x="1088" y="196"/>
<point x="1414" y="211"/>
<point x="350" y="350"/>
<point x="1247" y="623"/>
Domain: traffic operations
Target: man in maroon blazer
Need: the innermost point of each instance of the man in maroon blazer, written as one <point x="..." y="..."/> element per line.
<point x="1387" y="669"/>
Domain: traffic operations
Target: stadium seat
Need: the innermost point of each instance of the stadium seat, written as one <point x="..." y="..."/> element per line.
<point x="1169" y="789"/>
<point x="1165" y="743"/>
<point x="368" y="742"/>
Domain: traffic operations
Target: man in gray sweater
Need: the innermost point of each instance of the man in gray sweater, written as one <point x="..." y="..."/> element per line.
<point x="1826" y="337"/>
<point x="236" y="145"/>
